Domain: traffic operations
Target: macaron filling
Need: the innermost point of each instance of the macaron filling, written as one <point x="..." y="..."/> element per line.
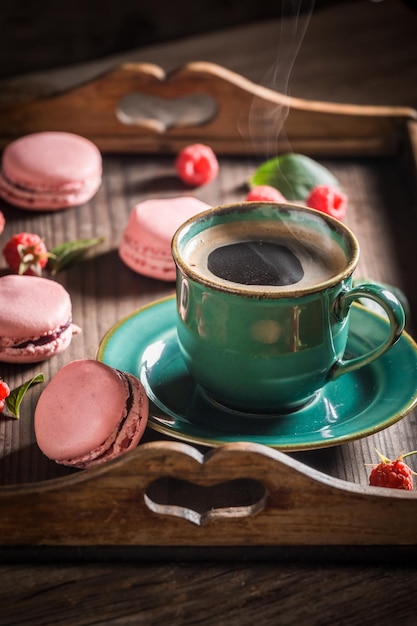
<point x="39" y="348"/>
<point x="45" y="339"/>
<point x="147" y="258"/>
<point x="62" y="196"/>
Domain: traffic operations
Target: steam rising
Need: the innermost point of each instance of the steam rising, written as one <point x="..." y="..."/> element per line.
<point x="295" y="18"/>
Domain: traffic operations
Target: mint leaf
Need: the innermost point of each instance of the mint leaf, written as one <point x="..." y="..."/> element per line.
<point x="70" y="252"/>
<point x="14" y="400"/>
<point x="293" y="174"/>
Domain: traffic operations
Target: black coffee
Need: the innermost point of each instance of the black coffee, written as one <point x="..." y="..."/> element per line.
<point x="256" y="263"/>
<point x="265" y="255"/>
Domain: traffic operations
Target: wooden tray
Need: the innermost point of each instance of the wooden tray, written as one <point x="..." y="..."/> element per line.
<point x="169" y="498"/>
<point x="138" y="108"/>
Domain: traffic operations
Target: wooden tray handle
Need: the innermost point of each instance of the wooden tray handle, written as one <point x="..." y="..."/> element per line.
<point x="259" y="497"/>
<point x="138" y="108"/>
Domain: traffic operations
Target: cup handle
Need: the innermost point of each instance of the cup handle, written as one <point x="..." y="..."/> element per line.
<point x="396" y="316"/>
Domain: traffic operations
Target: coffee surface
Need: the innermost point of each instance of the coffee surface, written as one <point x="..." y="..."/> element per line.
<point x="259" y="255"/>
<point x="256" y="263"/>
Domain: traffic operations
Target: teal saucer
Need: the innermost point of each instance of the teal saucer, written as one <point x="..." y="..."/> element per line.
<point x="356" y="405"/>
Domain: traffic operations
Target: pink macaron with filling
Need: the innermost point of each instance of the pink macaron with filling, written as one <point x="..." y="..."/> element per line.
<point x="50" y="171"/>
<point x="90" y="413"/>
<point x="145" y="245"/>
<point x="35" y="319"/>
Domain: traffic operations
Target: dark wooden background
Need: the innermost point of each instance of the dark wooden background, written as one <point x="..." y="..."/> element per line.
<point x="333" y="65"/>
<point x="42" y="35"/>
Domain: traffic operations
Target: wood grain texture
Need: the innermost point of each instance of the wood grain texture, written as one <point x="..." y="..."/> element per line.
<point x="246" y="118"/>
<point x="347" y="52"/>
<point x="57" y="36"/>
<point x="212" y="593"/>
<point x="104" y="290"/>
<point x="110" y="505"/>
<point x="368" y="67"/>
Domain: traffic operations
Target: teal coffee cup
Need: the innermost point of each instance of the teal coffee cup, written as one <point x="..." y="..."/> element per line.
<point x="264" y="292"/>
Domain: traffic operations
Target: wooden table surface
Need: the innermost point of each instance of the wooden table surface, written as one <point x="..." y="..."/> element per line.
<point x="373" y="62"/>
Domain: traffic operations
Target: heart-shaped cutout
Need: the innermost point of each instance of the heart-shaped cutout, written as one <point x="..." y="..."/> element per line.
<point x="161" y="114"/>
<point x="199" y="504"/>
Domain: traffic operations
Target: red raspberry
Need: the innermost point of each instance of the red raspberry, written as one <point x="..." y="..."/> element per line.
<point x="2" y="222"/>
<point x="328" y="200"/>
<point x="197" y="164"/>
<point x="393" y="474"/>
<point x="4" y="393"/>
<point x="25" y="253"/>
<point x="265" y="192"/>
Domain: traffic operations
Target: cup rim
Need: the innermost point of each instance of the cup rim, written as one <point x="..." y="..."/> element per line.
<point x="335" y="224"/>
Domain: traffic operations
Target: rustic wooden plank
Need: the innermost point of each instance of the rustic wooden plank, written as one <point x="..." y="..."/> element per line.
<point x="296" y="589"/>
<point x="103" y="290"/>
<point x="246" y="119"/>
<point x="382" y="213"/>
<point x="182" y="593"/>
<point x="300" y="506"/>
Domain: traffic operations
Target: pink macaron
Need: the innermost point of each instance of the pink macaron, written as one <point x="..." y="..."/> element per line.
<point x="35" y="319"/>
<point x="145" y="245"/>
<point x="50" y="171"/>
<point x="90" y="413"/>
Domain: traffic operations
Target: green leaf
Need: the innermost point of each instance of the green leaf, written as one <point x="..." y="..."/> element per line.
<point x="293" y="174"/>
<point x="14" y="400"/>
<point x="70" y="252"/>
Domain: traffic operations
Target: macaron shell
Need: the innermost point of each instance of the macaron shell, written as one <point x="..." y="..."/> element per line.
<point x="37" y="313"/>
<point x="127" y="434"/>
<point x="31" y="306"/>
<point x="50" y="170"/>
<point x="35" y="353"/>
<point x="79" y="410"/>
<point x="51" y="160"/>
<point x="145" y="245"/>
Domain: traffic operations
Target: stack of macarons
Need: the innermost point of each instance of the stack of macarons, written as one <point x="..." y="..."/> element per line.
<point x="145" y="245"/>
<point x="50" y="171"/>
<point x="35" y="319"/>
<point x="90" y="413"/>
